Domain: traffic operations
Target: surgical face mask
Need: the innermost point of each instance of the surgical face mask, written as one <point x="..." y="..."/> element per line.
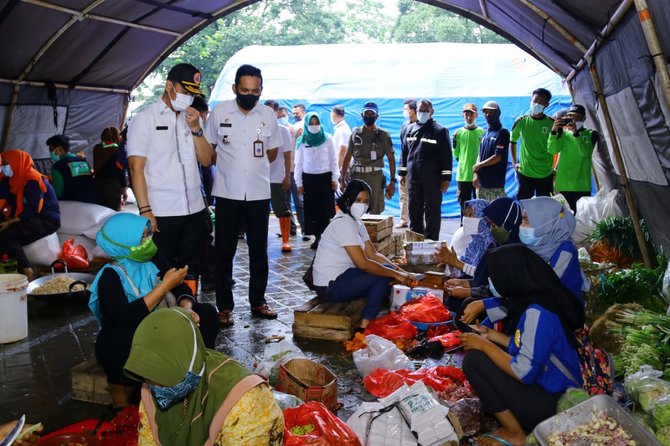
<point x="467" y="125"/>
<point x="181" y="102"/>
<point x="7" y="170"/>
<point x="144" y="252"/>
<point x="247" y="101"/>
<point x="471" y="225"/>
<point x="527" y="236"/>
<point x="536" y="108"/>
<point x="423" y="117"/>
<point x="493" y="289"/>
<point x="369" y="120"/>
<point x="405" y="114"/>
<point x="314" y="129"/>
<point x="54" y="157"/>
<point x="283" y="121"/>
<point x="167" y="397"/>
<point x="357" y="210"/>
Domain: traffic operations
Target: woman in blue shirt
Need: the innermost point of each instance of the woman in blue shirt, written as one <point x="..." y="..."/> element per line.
<point x="517" y="374"/>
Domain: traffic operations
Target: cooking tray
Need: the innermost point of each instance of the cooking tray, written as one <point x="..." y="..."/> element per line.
<point x="80" y="278"/>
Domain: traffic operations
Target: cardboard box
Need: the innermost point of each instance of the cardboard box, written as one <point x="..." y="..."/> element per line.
<point x="422" y="253"/>
<point x="401" y="294"/>
<point x="309" y="381"/>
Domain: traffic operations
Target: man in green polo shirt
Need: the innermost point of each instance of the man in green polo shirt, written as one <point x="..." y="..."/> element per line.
<point x="574" y="143"/>
<point x="466" y="148"/>
<point x="534" y="168"/>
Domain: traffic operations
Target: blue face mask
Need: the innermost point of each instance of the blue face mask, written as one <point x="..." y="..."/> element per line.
<point x="527" y="236"/>
<point x="493" y="289"/>
<point x="283" y="121"/>
<point x="7" y="170"/>
<point x="54" y="157"/>
<point x="423" y="117"/>
<point x="167" y="397"/>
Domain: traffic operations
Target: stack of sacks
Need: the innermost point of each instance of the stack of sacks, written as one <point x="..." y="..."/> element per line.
<point x="82" y="221"/>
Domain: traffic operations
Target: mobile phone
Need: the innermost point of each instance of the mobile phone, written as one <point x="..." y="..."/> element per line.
<point x="462" y="326"/>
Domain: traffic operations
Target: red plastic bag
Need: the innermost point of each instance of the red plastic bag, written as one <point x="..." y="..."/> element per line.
<point x="311" y="424"/>
<point x="75" y="257"/>
<point x="391" y="327"/>
<point x="448" y="340"/>
<point x="381" y="383"/>
<point x="427" y="308"/>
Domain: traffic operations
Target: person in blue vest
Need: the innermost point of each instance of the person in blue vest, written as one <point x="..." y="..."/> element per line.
<point x="72" y="176"/>
<point x="520" y="374"/>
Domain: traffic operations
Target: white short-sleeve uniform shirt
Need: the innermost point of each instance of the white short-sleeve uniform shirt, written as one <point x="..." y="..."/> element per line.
<point x="239" y="174"/>
<point x="278" y="167"/>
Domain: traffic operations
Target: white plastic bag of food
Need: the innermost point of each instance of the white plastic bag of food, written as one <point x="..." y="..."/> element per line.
<point x="275" y="354"/>
<point x="591" y="210"/>
<point x="380" y="353"/>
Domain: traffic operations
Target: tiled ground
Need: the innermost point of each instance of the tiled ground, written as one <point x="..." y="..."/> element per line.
<point x="35" y="372"/>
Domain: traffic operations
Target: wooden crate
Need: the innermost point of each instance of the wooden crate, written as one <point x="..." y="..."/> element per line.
<point x="385" y="247"/>
<point x="433" y="280"/>
<point x="331" y="321"/>
<point x="89" y="383"/>
<point x="378" y="226"/>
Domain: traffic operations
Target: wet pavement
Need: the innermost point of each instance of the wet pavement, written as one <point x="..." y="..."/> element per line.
<point x="35" y="372"/>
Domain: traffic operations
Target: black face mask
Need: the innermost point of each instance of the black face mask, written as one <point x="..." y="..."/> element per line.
<point x="247" y="101"/>
<point x="369" y="120"/>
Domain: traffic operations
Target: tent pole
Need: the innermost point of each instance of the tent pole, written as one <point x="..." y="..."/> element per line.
<point x="654" y="44"/>
<point x="485" y="11"/>
<point x="9" y="117"/>
<point x="625" y="183"/>
<point x="125" y="112"/>
<point x="593" y="169"/>
<point x="557" y="26"/>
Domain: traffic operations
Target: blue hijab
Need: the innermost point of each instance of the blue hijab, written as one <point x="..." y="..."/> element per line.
<point x="483" y="239"/>
<point x="553" y="224"/>
<point x="117" y="235"/>
<point x="505" y="213"/>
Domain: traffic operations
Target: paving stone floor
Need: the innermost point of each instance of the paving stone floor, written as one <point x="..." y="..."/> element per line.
<point x="35" y="372"/>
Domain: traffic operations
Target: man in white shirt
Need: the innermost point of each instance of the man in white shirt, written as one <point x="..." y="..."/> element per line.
<point x="165" y="144"/>
<point x="280" y="180"/>
<point x="247" y="139"/>
<point x="341" y="133"/>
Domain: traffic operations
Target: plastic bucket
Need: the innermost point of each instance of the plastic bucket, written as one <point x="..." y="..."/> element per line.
<point x="13" y="307"/>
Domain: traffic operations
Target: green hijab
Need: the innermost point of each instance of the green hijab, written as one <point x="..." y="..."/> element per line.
<point x="161" y="352"/>
<point x="312" y="139"/>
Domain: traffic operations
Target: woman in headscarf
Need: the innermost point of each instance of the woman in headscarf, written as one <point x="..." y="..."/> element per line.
<point x="30" y="207"/>
<point x="126" y="291"/>
<point x="110" y="175"/>
<point x="519" y="375"/>
<point x="316" y="175"/>
<point x="196" y="396"/>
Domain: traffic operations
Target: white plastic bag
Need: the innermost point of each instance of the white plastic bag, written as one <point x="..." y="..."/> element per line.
<point x="275" y="354"/>
<point x="591" y="210"/>
<point x="43" y="251"/>
<point x="285" y="401"/>
<point x="459" y="241"/>
<point x="380" y="353"/>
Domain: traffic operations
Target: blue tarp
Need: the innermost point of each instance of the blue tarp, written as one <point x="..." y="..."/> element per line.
<point x="322" y="76"/>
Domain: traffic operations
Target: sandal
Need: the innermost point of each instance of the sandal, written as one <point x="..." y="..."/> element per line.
<point x="502" y="441"/>
<point x="264" y="312"/>
<point x="226" y="318"/>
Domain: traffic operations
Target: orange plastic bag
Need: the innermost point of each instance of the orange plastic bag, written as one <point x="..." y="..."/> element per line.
<point x="311" y="424"/>
<point x="391" y="327"/>
<point x="75" y="257"/>
<point x="425" y="309"/>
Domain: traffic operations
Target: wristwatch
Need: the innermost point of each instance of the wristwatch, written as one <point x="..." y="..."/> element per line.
<point x="392" y="180"/>
<point x="197" y="134"/>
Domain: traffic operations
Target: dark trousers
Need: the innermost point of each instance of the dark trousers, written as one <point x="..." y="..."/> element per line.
<point x="319" y="203"/>
<point x="425" y="201"/>
<point x="466" y="192"/>
<point x="278" y="200"/>
<point x="356" y="284"/>
<point x="573" y="197"/>
<point x="228" y="216"/>
<point x="498" y="391"/>
<point x="22" y="233"/>
<point x="538" y="187"/>
<point x="180" y="240"/>
<point x="297" y="200"/>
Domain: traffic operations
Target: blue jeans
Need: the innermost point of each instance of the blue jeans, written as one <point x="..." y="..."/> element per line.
<point x="355" y="284"/>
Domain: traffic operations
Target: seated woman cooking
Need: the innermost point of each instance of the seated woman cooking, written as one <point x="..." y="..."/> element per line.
<point x="126" y="291"/>
<point x="519" y="375"/>
<point x="31" y="204"/>
<point x="347" y="266"/>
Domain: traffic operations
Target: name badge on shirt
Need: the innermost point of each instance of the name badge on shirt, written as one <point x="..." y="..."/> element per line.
<point x="161" y="127"/>
<point x="225" y="124"/>
<point x="373" y="155"/>
<point x="258" y="145"/>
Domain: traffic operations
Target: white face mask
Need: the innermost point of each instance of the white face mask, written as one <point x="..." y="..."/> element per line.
<point x="313" y="129"/>
<point x="468" y="125"/>
<point x="536" y="108"/>
<point x="405" y="114"/>
<point x="471" y="225"/>
<point x="423" y="117"/>
<point x="181" y="102"/>
<point x="357" y="210"/>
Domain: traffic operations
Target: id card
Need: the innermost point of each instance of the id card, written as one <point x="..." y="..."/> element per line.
<point x="258" y="149"/>
<point x="373" y="155"/>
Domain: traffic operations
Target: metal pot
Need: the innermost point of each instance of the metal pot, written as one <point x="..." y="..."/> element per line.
<point x="80" y="279"/>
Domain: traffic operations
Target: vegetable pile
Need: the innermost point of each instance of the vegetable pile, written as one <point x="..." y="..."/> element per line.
<point x="614" y="240"/>
<point x="602" y="430"/>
